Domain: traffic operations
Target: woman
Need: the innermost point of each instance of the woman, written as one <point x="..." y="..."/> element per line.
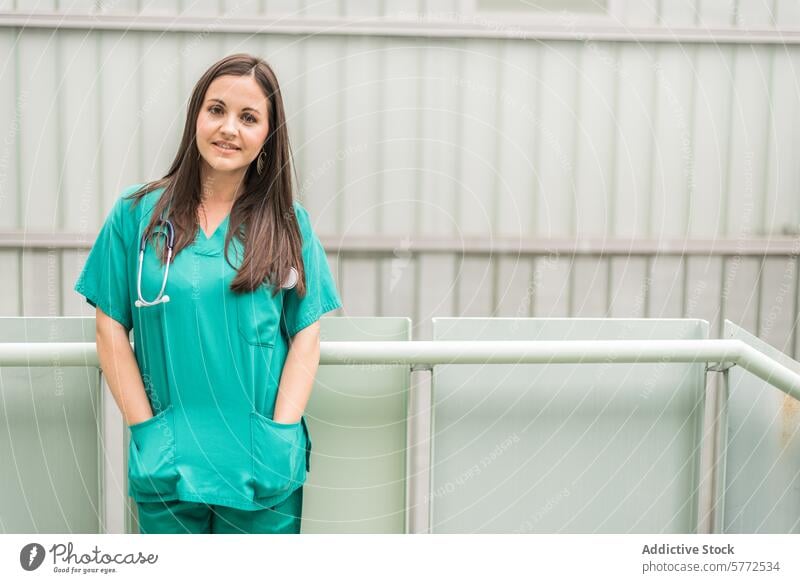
<point x="225" y="325"/>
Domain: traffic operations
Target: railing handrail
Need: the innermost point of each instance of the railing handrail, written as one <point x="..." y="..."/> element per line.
<point x="442" y="352"/>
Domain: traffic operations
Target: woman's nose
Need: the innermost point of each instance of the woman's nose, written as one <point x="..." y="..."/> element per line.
<point x="229" y="125"/>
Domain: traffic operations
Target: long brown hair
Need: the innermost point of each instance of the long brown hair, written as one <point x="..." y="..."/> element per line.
<point x="262" y="217"/>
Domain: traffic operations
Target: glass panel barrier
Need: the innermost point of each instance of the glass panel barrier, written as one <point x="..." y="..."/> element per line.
<point x="607" y="447"/>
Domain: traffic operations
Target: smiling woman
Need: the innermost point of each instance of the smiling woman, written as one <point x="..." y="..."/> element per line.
<point x="230" y="345"/>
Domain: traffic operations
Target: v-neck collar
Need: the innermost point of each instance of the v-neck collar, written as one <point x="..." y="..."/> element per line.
<point x="218" y="230"/>
<point x="211" y="245"/>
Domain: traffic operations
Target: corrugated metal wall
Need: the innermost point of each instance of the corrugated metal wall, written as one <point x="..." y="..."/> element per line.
<point x="448" y="175"/>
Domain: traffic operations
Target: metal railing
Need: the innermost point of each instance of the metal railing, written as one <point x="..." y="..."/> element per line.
<point x="476" y="352"/>
<point x="422" y="356"/>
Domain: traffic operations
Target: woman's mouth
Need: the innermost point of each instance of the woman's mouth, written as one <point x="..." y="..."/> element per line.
<point x="224" y="148"/>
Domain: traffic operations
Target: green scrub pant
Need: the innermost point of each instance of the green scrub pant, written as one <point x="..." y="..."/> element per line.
<point x="179" y="517"/>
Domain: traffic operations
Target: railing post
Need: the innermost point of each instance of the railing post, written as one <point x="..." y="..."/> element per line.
<point x="113" y="476"/>
<point x="712" y="453"/>
<point x="418" y="452"/>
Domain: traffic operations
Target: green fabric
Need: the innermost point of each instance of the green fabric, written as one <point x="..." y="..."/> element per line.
<point x="211" y="362"/>
<point x="178" y="517"/>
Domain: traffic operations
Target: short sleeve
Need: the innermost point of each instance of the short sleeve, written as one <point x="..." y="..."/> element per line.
<point x="104" y="280"/>
<point x="321" y="295"/>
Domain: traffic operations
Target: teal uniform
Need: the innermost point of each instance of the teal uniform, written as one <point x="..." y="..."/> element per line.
<point x="211" y="362"/>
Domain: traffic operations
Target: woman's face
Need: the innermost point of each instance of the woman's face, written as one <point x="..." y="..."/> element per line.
<point x="232" y="124"/>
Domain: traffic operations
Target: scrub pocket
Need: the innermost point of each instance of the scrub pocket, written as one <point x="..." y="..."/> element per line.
<point x="259" y="314"/>
<point x="152" y="471"/>
<point x="281" y="456"/>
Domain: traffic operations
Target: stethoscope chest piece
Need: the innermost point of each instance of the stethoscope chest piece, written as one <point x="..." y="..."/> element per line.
<point x="292" y="279"/>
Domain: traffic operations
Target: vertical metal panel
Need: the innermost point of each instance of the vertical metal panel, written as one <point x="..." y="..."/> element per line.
<point x="14" y="102"/>
<point x="783" y="174"/>
<point x="475" y="280"/>
<point x="551" y="282"/>
<point x="357" y="421"/>
<point x="357" y="156"/>
<point x="398" y="283"/>
<point x="196" y="54"/>
<point x="286" y="57"/>
<point x="320" y="181"/>
<point x="359" y="9"/>
<point x="121" y="121"/>
<point x="517" y="127"/>
<point x="703" y="290"/>
<point x="556" y="204"/>
<point x="515" y="287"/>
<point x="630" y="287"/>
<point x="38" y="276"/>
<point x="748" y="138"/>
<point x="480" y="98"/>
<point x="163" y="7"/>
<point x="787" y="13"/>
<point x="397" y="168"/>
<point x="439" y="98"/>
<point x="161" y="112"/>
<point x="433" y="6"/>
<point x="358" y="289"/>
<point x="710" y="170"/>
<point x="118" y="6"/>
<point x="38" y="124"/>
<point x="10" y="288"/>
<point x="287" y="8"/>
<point x="212" y="7"/>
<point x="321" y="8"/>
<point x="762" y="450"/>
<point x="712" y="13"/>
<point x="79" y="147"/>
<point x="359" y="138"/>
<point x="72" y="303"/>
<point x="630" y="176"/>
<point x="740" y="291"/>
<point x="666" y="287"/>
<point x="677" y="14"/>
<point x="116" y="506"/>
<point x="756" y="13"/>
<point x="596" y="119"/>
<point x="559" y="448"/>
<point x="397" y="8"/>
<point x="778" y="286"/>
<point x="673" y="139"/>
<point x="437" y="277"/>
<point x="640" y="12"/>
<point x="36" y="5"/>
<point x="589" y="281"/>
<point x="50" y="442"/>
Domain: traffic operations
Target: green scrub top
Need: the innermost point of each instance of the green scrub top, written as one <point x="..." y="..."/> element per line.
<point x="210" y="360"/>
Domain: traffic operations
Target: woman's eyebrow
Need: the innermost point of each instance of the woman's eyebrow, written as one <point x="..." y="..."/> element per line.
<point x="243" y="109"/>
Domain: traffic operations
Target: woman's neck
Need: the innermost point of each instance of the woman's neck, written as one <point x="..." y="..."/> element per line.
<point x="221" y="187"/>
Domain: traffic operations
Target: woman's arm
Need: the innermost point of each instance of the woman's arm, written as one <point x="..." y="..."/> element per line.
<point x="121" y="370"/>
<point x="298" y="374"/>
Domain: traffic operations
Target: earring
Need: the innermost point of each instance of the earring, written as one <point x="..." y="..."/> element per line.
<point x="262" y="160"/>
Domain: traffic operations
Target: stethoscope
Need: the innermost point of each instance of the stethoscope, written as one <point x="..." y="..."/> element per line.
<point x="170" y="235"/>
<point x="160" y="298"/>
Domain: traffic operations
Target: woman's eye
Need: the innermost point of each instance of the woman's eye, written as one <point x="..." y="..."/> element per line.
<point x="250" y="119"/>
<point x="215" y="109"/>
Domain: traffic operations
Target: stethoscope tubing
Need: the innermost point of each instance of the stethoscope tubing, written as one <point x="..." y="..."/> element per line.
<point x="161" y="297"/>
